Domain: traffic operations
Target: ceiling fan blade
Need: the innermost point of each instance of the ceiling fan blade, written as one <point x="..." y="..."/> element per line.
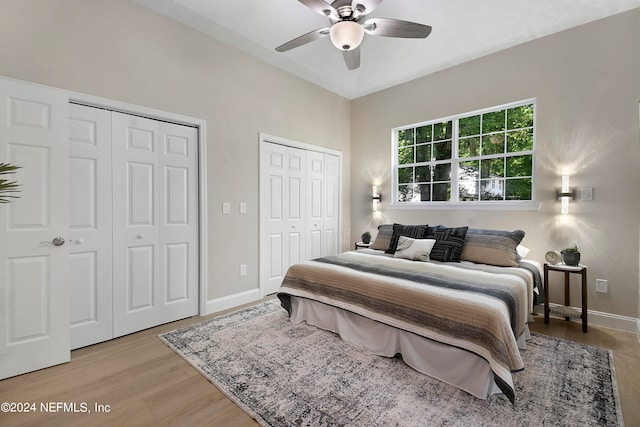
<point x="339" y="3"/>
<point x="352" y="58"/>
<point x="388" y="27"/>
<point x="321" y="7"/>
<point x="365" y="7"/>
<point x="303" y="39"/>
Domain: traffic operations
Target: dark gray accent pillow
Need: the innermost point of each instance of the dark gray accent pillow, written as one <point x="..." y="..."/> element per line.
<point x="449" y="243"/>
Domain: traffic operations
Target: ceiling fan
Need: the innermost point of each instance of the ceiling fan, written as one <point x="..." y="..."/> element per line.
<point x="347" y="30"/>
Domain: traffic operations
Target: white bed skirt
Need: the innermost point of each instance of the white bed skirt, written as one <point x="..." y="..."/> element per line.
<point x="460" y="368"/>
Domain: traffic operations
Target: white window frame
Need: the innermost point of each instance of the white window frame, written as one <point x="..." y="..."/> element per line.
<point x="454" y="202"/>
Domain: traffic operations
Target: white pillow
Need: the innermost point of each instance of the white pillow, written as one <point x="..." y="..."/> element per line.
<point x="414" y="249"/>
<point x="523" y="251"/>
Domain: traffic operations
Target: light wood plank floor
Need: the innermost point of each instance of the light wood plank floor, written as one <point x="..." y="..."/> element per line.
<point x="146" y="383"/>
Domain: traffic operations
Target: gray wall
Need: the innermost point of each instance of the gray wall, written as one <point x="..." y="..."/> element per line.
<point x="119" y="50"/>
<point x="587" y="84"/>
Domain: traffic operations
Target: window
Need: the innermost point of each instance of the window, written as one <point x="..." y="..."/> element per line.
<point x="483" y="156"/>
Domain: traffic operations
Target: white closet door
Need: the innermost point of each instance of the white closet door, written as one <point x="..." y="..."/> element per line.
<point x="155" y="224"/>
<point x="331" y="211"/>
<point x="283" y="212"/>
<point x="90" y="223"/>
<point x="34" y="272"/>
<point x="315" y="204"/>
<point x="178" y="218"/>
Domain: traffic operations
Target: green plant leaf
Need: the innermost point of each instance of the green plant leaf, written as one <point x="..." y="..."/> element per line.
<point x="7" y="187"/>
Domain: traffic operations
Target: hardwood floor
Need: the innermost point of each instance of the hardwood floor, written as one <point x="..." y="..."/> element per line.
<point x="143" y="382"/>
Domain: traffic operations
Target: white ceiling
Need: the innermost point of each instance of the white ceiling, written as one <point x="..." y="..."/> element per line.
<point x="462" y="30"/>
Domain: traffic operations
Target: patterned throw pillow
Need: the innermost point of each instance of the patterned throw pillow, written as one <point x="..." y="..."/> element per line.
<point x="449" y="243"/>
<point x="493" y="247"/>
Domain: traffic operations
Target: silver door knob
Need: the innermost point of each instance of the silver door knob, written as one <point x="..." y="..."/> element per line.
<point x="57" y="241"/>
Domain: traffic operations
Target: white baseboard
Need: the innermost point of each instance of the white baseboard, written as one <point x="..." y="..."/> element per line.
<point x="606" y="320"/>
<point x="231" y="301"/>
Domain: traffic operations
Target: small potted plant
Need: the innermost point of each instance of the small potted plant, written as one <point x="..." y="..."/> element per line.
<point x="366" y="237"/>
<point x="571" y="256"/>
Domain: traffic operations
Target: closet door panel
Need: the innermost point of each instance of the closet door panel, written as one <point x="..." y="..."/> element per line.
<point x="177" y="272"/>
<point x="90" y="225"/>
<point x="178" y="221"/>
<point x="140" y="194"/>
<point x="136" y="190"/>
<point x="331" y="212"/>
<point x="282" y="202"/>
<point x="315" y="204"/>
<point x="141" y="265"/>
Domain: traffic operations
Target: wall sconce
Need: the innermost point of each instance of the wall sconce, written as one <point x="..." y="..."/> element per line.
<point x="564" y="194"/>
<point x="377" y="198"/>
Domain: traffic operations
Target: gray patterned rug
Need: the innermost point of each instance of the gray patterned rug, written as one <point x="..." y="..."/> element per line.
<point x="283" y="374"/>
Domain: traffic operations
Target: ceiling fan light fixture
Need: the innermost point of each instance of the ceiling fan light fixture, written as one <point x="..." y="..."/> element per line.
<point x="346" y="35"/>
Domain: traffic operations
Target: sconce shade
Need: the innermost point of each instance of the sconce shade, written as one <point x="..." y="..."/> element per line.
<point x="564" y="194"/>
<point x="376" y="197"/>
<point x="346" y="35"/>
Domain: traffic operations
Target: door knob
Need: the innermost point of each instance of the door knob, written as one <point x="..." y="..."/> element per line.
<point x="57" y="241"/>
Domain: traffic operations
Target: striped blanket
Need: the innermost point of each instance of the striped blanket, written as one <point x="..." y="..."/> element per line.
<point x="482" y="310"/>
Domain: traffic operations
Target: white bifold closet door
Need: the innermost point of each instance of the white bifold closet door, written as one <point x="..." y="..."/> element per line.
<point x="155" y="234"/>
<point x="134" y="245"/>
<point x="299" y="209"/>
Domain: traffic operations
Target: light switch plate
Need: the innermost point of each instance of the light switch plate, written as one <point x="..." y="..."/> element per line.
<point x="602" y="286"/>
<point x="226" y="208"/>
<point x="586" y="193"/>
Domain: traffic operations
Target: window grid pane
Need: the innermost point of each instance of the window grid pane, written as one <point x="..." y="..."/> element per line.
<point x="495" y="149"/>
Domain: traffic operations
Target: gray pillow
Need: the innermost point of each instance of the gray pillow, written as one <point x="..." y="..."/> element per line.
<point x="383" y="239"/>
<point x="493" y="247"/>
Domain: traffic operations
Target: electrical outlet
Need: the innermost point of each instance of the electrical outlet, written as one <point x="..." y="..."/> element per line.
<point x="602" y="286"/>
<point x="243" y="269"/>
<point x="226" y="208"/>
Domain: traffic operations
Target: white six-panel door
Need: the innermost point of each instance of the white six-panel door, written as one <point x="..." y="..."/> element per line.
<point x="283" y="239"/>
<point x="155" y="222"/>
<point x="299" y="209"/>
<point x="90" y="225"/>
<point x="34" y="272"/>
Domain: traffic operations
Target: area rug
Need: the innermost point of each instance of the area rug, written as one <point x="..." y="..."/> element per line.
<point x="283" y="374"/>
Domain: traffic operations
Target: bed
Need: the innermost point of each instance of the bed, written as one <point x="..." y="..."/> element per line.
<point x="460" y="321"/>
